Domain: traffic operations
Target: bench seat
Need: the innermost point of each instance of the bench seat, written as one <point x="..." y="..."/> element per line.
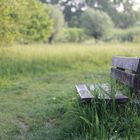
<point x="104" y="93"/>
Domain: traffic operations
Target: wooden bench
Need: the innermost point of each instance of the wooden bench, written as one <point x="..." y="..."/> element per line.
<point x="127" y="71"/>
<point x="124" y="70"/>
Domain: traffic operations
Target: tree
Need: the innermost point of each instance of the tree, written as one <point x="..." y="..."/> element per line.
<point x="72" y="9"/>
<point x="95" y="22"/>
<point x="38" y="27"/>
<point x="23" y="21"/>
<point x="57" y="18"/>
<point x="8" y="32"/>
<point x="124" y="20"/>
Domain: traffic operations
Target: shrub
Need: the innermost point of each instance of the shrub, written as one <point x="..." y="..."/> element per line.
<point x="95" y="23"/>
<point x="126" y="35"/>
<point x="137" y="38"/>
<point x="38" y="26"/>
<point x="72" y="35"/>
<point x="124" y="20"/>
<point x="23" y="21"/>
<point x="8" y="32"/>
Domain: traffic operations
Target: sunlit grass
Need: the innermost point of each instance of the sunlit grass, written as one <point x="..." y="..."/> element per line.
<point x="47" y="58"/>
<point x="38" y="97"/>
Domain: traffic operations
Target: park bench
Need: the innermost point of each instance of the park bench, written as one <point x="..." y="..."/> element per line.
<point x="125" y="71"/>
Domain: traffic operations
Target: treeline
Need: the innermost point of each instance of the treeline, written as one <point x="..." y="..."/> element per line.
<point x="29" y="21"/>
<point x="105" y="20"/>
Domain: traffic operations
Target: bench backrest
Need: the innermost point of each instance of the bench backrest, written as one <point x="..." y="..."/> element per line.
<point x="127" y="71"/>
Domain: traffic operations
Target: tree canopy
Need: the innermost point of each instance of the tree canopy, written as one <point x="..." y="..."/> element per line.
<point x="116" y="9"/>
<point x="95" y="23"/>
<point x="24" y="21"/>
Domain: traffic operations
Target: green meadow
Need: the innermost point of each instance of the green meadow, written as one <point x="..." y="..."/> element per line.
<point x="38" y="100"/>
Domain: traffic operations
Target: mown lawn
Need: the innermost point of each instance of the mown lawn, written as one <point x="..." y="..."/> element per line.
<point x="38" y="100"/>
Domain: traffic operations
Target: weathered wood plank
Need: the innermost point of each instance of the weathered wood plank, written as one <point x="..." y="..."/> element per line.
<point x="98" y="91"/>
<point x="120" y="98"/>
<point x="132" y="64"/>
<point x="106" y="87"/>
<point x="107" y="94"/>
<point x="124" y="77"/>
<point x="137" y="82"/>
<point x="84" y="93"/>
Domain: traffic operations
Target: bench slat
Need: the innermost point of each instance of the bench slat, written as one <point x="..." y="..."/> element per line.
<point x="132" y="64"/>
<point x="120" y="98"/>
<point x="124" y="77"/>
<point x="84" y="93"/>
<point x="107" y="95"/>
<point x="99" y="92"/>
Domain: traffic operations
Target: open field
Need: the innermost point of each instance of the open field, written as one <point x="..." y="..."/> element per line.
<point x="38" y="100"/>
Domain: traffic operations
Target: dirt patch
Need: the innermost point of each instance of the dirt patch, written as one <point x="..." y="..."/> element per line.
<point x="51" y="122"/>
<point x="22" y="124"/>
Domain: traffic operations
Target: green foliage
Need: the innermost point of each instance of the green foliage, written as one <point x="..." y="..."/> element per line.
<point x="123" y="20"/>
<point x="38" y="26"/>
<point x="8" y="30"/>
<point x="126" y="17"/>
<point x="23" y="21"/>
<point x="137" y="14"/>
<point x="95" y="23"/>
<point x="127" y="35"/>
<point x="74" y="21"/>
<point x="56" y="15"/>
<point x="72" y="35"/>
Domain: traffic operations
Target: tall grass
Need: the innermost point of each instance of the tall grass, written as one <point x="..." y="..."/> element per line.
<point x="43" y="59"/>
<point x="38" y="99"/>
<point x="108" y="120"/>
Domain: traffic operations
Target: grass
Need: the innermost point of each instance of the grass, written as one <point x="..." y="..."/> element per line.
<point x="38" y="97"/>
